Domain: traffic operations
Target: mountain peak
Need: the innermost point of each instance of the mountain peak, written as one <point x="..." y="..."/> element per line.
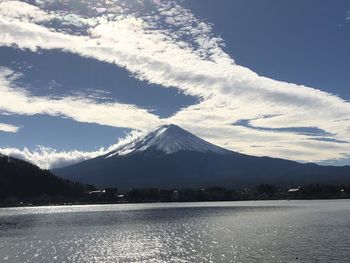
<point x="170" y="128"/>
<point x="168" y="139"/>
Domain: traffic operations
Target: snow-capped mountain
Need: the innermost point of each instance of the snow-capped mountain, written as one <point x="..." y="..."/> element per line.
<point x="168" y="139"/>
<point x="170" y="157"/>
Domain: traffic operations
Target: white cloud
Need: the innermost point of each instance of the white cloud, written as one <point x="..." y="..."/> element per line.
<point x="184" y="54"/>
<point x="46" y="157"/>
<point x="8" y="127"/>
<point x="18" y="101"/>
<point x="17" y="10"/>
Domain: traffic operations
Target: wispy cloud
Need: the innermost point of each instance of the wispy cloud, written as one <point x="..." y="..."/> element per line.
<point x="8" y="128"/>
<point x="16" y="100"/>
<point x="174" y="49"/>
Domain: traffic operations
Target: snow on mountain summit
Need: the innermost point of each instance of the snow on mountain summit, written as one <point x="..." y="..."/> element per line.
<point x="168" y="139"/>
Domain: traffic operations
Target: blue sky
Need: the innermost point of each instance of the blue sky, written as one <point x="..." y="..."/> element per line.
<point x="259" y="77"/>
<point x="303" y="42"/>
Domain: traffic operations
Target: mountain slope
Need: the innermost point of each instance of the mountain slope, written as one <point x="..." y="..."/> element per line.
<point x="21" y="179"/>
<point x="169" y="139"/>
<point x="170" y="157"/>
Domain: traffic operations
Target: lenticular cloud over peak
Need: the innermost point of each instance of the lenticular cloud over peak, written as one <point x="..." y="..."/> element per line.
<point x="162" y="43"/>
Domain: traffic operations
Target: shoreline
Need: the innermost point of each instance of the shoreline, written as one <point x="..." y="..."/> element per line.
<point x="158" y="202"/>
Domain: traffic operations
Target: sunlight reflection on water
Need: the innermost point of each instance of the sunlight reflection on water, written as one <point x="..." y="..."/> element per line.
<point x="271" y="231"/>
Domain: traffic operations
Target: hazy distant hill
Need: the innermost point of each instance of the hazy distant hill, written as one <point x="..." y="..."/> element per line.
<point x="171" y="157"/>
<point x="20" y="179"/>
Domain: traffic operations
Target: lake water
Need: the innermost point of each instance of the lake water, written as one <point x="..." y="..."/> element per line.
<point x="254" y="231"/>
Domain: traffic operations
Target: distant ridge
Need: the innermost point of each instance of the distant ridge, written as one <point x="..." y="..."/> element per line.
<point x="171" y="157"/>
